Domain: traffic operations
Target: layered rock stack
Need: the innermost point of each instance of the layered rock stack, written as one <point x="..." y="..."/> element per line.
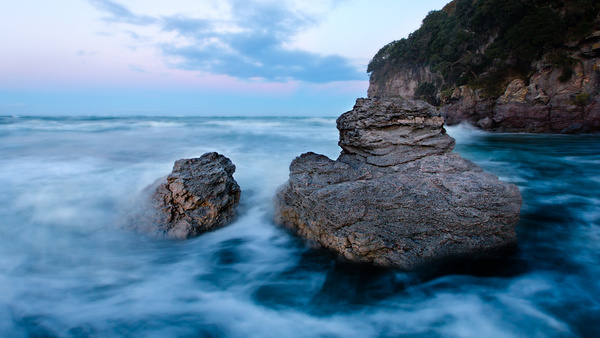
<point x="397" y="196"/>
<point x="199" y="195"/>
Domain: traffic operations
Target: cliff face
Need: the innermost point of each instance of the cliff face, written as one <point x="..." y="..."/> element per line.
<point x="401" y="83"/>
<point x="553" y="89"/>
<point x="543" y="105"/>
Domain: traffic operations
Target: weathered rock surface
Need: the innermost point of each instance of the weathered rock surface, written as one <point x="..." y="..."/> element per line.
<point x="385" y="133"/>
<point x="397" y="196"/>
<point x="199" y="195"/>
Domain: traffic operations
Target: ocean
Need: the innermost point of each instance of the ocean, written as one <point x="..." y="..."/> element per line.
<point x="68" y="270"/>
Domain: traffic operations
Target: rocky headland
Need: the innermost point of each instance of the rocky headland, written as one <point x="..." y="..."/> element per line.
<point x="199" y="195"/>
<point x="501" y="65"/>
<point x="397" y="196"/>
<point x="541" y="103"/>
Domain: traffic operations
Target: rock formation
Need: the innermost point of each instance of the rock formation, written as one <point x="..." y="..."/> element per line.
<point x="199" y="195"/>
<point x="533" y="66"/>
<point x="397" y="196"/>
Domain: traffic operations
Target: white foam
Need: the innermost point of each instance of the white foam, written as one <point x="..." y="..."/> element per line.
<point x="65" y="266"/>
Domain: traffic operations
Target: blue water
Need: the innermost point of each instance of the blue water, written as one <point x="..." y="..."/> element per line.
<point x="68" y="270"/>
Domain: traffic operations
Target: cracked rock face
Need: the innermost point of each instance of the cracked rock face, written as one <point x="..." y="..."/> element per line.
<point x="397" y="196"/>
<point x="199" y="195"/>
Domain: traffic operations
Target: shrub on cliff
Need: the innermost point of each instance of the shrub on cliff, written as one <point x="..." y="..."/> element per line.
<point x="582" y="99"/>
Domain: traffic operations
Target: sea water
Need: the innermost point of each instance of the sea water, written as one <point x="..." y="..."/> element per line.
<point x="68" y="270"/>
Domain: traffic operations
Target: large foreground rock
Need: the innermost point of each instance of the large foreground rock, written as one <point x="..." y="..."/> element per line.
<point x="397" y="196"/>
<point x="198" y="196"/>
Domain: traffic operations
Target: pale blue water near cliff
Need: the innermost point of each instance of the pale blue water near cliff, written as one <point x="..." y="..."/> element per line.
<point x="66" y="270"/>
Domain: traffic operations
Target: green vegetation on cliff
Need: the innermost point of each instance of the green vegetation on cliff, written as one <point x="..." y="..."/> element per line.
<point x="482" y="43"/>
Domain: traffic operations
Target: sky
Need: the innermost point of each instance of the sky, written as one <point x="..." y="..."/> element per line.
<point x="194" y="57"/>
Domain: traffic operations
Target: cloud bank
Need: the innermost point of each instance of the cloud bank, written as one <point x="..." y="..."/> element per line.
<point x="247" y="41"/>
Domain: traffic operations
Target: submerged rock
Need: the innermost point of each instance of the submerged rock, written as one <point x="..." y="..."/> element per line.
<point x="199" y="195"/>
<point x="397" y="196"/>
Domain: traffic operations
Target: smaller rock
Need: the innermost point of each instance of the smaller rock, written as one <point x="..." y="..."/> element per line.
<point x="485" y="123"/>
<point x="199" y="195"/>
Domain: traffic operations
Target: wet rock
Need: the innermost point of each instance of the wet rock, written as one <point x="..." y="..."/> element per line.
<point x="199" y="195"/>
<point x="397" y="196"/>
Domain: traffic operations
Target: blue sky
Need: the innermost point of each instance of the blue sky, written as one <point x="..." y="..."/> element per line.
<point x="194" y="57"/>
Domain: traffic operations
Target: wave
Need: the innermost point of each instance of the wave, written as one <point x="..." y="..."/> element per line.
<point x="68" y="269"/>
